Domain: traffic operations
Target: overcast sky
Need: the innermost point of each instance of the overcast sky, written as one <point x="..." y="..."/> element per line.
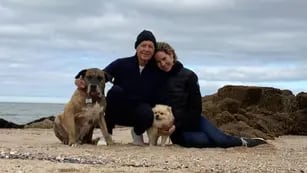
<point x="44" y="43"/>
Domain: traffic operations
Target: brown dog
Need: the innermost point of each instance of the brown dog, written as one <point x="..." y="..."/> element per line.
<point x="163" y="116"/>
<point x="84" y="111"/>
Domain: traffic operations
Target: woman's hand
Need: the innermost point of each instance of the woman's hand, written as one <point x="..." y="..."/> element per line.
<point x="168" y="131"/>
<point x="80" y="83"/>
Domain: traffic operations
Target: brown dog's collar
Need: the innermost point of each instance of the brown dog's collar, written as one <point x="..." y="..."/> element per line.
<point x="88" y="101"/>
<point x="91" y="100"/>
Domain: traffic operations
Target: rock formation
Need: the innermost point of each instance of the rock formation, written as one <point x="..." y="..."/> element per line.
<point x="257" y="111"/>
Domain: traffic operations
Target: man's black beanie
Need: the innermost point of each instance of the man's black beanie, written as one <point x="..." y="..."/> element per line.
<point x="145" y="35"/>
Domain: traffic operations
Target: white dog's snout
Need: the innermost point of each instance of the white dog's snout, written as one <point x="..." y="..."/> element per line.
<point x="157" y="117"/>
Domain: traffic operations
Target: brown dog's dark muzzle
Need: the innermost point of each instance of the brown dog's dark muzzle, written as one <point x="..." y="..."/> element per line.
<point x="93" y="88"/>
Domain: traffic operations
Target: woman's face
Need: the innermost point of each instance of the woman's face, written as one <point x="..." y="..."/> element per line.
<point x="164" y="60"/>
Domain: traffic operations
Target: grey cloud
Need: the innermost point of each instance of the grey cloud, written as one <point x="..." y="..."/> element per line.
<point x="252" y="74"/>
<point x="217" y="39"/>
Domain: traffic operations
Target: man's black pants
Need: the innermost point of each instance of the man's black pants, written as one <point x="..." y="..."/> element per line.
<point x="122" y="111"/>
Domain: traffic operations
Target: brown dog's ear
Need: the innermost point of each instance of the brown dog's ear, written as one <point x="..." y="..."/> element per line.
<point x="108" y="77"/>
<point x="81" y="74"/>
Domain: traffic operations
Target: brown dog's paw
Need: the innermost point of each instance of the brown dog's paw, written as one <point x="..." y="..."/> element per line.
<point x="95" y="141"/>
<point x="74" y="145"/>
<point x="109" y="140"/>
<point x="103" y="141"/>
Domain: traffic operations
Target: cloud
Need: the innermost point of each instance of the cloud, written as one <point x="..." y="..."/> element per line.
<point x="45" y="43"/>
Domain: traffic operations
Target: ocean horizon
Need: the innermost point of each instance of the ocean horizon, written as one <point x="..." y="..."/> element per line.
<point x="25" y="112"/>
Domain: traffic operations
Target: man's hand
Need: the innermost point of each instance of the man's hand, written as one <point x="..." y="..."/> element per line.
<point x="80" y="83"/>
<point x="167" y="131"/>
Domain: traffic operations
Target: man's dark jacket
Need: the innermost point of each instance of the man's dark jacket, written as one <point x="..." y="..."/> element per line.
<point x="138" y="87"/>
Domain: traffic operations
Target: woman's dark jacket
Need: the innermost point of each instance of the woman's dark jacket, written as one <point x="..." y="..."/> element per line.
<point x="182" y="93"/>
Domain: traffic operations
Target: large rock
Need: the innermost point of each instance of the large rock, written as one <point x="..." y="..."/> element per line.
<point x="268" y="98"/>
<point x="301" y="99"/>
<point x="257" y="111"/>
<point x="299" y="122"/>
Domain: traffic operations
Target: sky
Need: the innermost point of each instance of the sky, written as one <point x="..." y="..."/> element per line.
<point x="44" y="43"/>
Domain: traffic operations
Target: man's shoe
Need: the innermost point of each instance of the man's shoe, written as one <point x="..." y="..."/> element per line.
<point x="137" y="139"/>
<point x="251" y="142"/>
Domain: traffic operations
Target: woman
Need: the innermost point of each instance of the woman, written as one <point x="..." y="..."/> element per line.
<point x="182" y="93"/>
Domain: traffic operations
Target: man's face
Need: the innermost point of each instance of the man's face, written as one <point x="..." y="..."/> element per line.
<point x="145" y="51"/>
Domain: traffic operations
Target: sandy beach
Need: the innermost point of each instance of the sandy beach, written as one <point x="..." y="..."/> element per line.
<point x="38" y="150"/>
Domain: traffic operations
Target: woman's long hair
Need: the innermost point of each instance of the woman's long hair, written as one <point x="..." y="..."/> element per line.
<point x="168" y="49"/>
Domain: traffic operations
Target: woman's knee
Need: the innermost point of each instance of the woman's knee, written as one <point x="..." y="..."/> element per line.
<point x="196" y="139"/>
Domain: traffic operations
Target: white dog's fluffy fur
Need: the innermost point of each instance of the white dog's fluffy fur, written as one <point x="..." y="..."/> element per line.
<point x="163" y="116"/>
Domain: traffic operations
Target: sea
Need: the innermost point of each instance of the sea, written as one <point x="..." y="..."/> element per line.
<point x="22" y="113"/>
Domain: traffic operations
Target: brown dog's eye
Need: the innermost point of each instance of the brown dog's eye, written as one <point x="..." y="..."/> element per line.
<point x="99" y="78"/>
<point x="89" y="77"/>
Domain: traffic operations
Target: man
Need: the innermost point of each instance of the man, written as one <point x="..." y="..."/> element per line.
<point x="135" y="86"/>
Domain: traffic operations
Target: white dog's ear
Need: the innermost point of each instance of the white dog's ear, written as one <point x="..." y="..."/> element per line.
<point x="169" y="108"/>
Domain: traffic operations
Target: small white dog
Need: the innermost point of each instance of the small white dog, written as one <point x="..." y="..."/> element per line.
<point x="163" y="116"/>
